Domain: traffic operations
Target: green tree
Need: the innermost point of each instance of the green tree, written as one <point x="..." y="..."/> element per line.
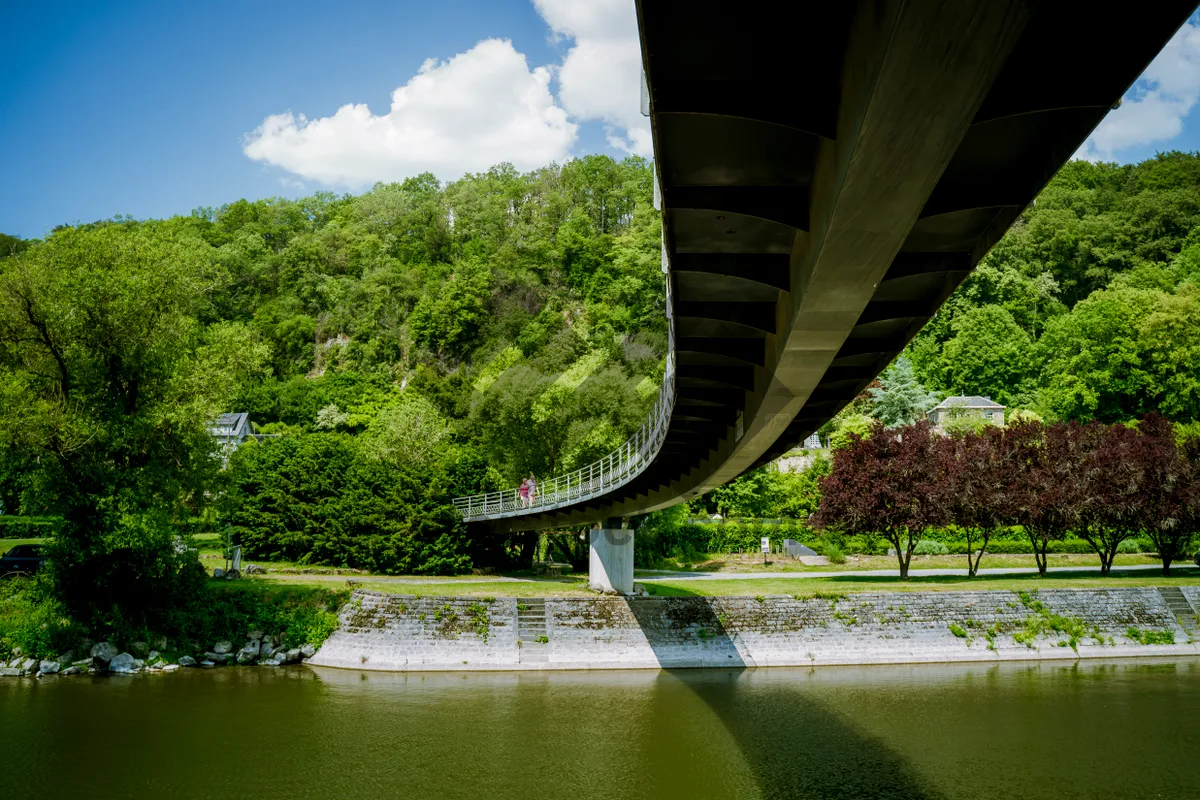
<point x="1121" y="354"/>
<point x="900" y="399"/>
<point x="989" y="355"/>
<point x="107" y="381"/>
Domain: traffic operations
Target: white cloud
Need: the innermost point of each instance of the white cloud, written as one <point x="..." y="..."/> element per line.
<point x="1154" y="109"/>
<point x="478" y="109"/>
<point x="601" y="77"/>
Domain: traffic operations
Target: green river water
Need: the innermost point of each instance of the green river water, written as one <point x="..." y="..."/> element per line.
<point x="1029" y="731"/>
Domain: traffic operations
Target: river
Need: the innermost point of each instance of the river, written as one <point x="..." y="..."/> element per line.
<point x="1028" y="731"/>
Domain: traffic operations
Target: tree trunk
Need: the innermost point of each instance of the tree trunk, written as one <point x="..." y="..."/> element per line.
<point x="1039" y="551"/>
<point x="1107" y="554"/>
<point x="974" y="568"/>
<point x="904" y="561"/>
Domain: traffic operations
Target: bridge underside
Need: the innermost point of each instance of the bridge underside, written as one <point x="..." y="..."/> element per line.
<point x="828" y="177"/>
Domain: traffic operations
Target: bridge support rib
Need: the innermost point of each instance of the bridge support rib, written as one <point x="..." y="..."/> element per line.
<point x="610" y="562"/>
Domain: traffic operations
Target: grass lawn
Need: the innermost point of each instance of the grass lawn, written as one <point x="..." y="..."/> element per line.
<point x="467" y="586"/>
<point x="8" y="544"/>
<point x="767" y="586"/>
<point x="576" y="586"/>
<point x="750" y="563"/>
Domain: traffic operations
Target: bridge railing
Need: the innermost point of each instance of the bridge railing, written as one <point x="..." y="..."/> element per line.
<point x="597" y="478"/>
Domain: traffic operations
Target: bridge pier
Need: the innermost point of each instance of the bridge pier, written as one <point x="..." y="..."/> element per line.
<point x="610" y="561"/>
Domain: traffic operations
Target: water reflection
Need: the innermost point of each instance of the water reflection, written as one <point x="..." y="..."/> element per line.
<point x="1121" y="730"/>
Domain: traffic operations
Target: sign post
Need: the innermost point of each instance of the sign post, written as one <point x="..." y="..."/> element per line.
<point x="766" y="547"/>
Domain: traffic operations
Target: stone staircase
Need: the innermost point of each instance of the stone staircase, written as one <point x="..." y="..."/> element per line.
<point x="1182" y="609"/>
<point x="532" y="630"/>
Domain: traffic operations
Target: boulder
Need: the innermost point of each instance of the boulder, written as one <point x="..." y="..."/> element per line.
<point x="266" y="649"/>
<point x="255" y="634"/>
<point x="83" y="663"/>
<point x="254" y="569"/>
<point x="140" y="649"/>
<point x="10" y="672"/>
<point x="17" y="651"/>
<point x="207" y="664"/>
<point x="72" y="670"/>
<point x="218" y="573"/>
<point x="308" y="651"/>
<point x="222" y="647"/>
<point x="124" y="663"/>
<point x="218" y="658"/>
<point x="153" y="656"/>
<point x="29" y="665"/>
<point x="102" y="653"/>
<point x="67" y="657"/>
<point x="187" y="661"/>
<point x="292" y="656"/>
<point x="49" y="667"/>
<point x="170" y="668"/>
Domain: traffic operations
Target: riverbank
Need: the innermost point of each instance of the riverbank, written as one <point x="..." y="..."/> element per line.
<point x="381" y="631"/>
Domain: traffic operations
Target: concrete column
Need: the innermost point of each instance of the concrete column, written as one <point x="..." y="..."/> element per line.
<point x="610" y="564"/>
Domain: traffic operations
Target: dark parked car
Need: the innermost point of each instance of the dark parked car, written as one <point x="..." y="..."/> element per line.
<point x="22" y="558"/>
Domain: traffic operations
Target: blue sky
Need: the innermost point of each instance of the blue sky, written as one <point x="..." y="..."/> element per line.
<point x="155" y="108"/>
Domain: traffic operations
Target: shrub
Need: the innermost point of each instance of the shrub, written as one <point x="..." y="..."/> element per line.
<point x="1147" y="636"/>
<point x="1134" y="546"/>
<point x="929" y="547"/>
<point x="32" y="620"/>
<point x="835" y="554"/>
<point x="12" y="527"/>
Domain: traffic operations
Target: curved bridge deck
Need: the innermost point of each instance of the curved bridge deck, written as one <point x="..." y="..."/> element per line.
<point x="828" y="175"/>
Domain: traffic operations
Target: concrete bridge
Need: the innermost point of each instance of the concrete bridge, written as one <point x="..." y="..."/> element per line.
<point x="828" y="174"/>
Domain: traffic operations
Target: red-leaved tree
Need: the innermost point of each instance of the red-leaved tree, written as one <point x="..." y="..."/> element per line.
<point x="980" y="473"/>
<point x="1047" y="494"/>
<point x="887" y="482"/>
<point x="1110" y="480"/>
<point x="1169" y="508"/>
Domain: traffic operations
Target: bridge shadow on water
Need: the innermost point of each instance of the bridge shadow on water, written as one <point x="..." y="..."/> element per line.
<point x="795" y="746"/>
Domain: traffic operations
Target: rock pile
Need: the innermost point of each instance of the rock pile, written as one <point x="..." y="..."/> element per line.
<point x="105" y="658"/>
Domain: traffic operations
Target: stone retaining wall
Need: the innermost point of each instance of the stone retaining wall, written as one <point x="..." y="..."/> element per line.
<point x="390" y="632"/>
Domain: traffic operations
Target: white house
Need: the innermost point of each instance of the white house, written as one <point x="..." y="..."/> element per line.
<point x="973" y="405"/>
<point x="230" y="430"/>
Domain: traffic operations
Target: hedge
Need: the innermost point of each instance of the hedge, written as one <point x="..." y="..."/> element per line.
<point x="14" y="527"/>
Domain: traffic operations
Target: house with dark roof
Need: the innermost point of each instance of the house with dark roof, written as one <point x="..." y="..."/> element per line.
<point x="230" y="430"/>
<point x="963" y="405"/>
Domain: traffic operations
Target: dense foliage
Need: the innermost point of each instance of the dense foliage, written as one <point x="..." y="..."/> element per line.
<point x="412" y="343"/>
<point x="1089" y="308"/>
<point x="424" y="340"/>
<point x="319" y="499"/>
